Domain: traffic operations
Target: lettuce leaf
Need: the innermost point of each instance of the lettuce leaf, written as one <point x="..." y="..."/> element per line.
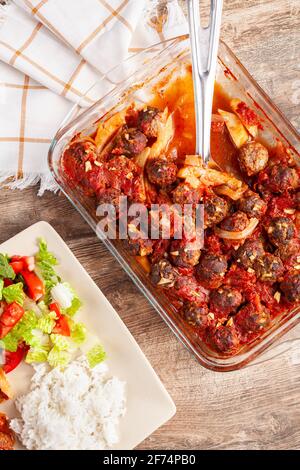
<point x="27" y="323"/>
<point x="37" y="355"/>
<point x="44" y="254"/>
<point x="6" y="271"/>
<point x="45" y="263"/>
<point x="78" y="332"/>
<point x="96" y="355"/>
<point x="37" y="339"/>
<point x="61" y="342"/>
<point x="57" y="358"/>
<point x="76" y="304"/>
<point x="46" y="322"/>
<point x="14" y="293"/>
<point x="9" y="343"/>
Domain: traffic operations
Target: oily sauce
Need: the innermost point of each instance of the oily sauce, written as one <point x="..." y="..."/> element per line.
<point x="178" y="97"/>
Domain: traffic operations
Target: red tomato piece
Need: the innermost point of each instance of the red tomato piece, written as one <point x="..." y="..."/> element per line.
<point x="62" y="326"/>
<point x="27" y="261"/>
<point x="35" y="285"/>
<point x="7" y="282"/>
<point x="13" y="359"/>
<point x="15" y="258"/>
<point x="11" y="315"/>
<point x="55" y="308"/>
<point x="17" y="266"/>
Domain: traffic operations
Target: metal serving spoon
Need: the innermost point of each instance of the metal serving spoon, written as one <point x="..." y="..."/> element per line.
<point x="204" y="47"/>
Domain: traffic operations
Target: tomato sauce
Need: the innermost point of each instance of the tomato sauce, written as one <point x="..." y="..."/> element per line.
<point x="258" y="302"/>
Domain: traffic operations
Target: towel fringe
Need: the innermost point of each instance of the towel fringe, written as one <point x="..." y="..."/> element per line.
<point x="47" y="183"/>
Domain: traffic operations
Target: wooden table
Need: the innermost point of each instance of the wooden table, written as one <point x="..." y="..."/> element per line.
<point x="258" y="407"/>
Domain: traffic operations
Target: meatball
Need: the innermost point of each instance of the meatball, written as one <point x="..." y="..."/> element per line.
<point x="130" y="142"/>
<point x="187" y="288"/>
<point x="163" y="274"/>
<point x="280" y="230"/>
<point x="225" y="299"/>
<point x="249" y="252"/>
<point x="282" y="179"/>
<point x="288" y="250"/>
<point x="78" y="163"/>
<point x="123" y="174"/>
<point x="249" y="319"/>
<point x="252" y="205"/>
<point x="268" y="268"/>
<point x="195" y="314"/>
<point x="291" y="287"/>
<point x="185" y="194"/>
<point x="211" y="270"/>
<point x="235" y="222"/>
<point x="139" y="247"/>
<point x="224" y="339"/>
<point x="253" y="157"/>
<point x="82" y="150"/>
<point x="215" y="210"/>
<point x="161" y="172"/>
<point x="183" y="255"/>
<point x="148" y="121"/>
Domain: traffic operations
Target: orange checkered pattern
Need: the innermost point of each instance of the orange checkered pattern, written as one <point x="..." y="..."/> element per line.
<point x="104" y="21"/>
<point x="55" y="65"/>
<point x="26" y="127"/>
<point x="51" y="54"/>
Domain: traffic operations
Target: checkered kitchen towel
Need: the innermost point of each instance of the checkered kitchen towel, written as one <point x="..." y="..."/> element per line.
<point x="51" y="53"/>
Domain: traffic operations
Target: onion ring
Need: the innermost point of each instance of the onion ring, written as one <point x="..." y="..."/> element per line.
<point x="238" y="235"/>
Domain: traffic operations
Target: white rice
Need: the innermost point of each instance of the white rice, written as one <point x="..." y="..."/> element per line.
<point x="75" y="409"/>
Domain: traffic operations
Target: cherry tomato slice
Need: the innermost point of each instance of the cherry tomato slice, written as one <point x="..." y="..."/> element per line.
<point x="35" y="285"/>
<point x="11" y="315"/>
<point x="13" y="359"/>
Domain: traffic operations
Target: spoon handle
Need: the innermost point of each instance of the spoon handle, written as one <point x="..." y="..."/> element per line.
<point x="204" y="47"/>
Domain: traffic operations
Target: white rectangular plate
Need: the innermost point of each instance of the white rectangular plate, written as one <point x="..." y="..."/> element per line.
<point x="148" y="403"/>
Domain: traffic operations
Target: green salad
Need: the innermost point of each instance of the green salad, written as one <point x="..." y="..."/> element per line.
<point x="38" y="314"/>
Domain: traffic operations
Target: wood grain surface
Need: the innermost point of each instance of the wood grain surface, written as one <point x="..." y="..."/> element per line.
<point x="259" y="406"/>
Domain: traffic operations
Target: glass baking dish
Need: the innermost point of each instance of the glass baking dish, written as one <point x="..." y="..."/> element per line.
<point x="133" y="81"/>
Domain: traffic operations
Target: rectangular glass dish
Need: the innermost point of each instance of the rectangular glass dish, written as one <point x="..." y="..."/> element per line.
<point x="139" y="75"/>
